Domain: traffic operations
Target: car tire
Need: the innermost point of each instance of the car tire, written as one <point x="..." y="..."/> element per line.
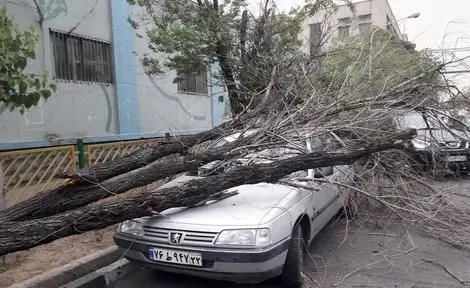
<point x="292" y="272"/>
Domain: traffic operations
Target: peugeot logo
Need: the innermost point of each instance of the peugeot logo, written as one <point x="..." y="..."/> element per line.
<point x="175" y="237"/>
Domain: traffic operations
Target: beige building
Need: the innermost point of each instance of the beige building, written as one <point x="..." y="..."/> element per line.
<point x="345" y="21"/>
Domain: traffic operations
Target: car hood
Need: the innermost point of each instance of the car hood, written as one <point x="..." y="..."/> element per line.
<point x="253" y="205"/>
<point x="441" y="135"/>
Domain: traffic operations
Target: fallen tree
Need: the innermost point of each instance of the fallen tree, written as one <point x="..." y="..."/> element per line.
<point x="285" y="95"/>
<point x="145" y="167"/>
<point x="75" y="195"/>
<point x="16" y="236"/>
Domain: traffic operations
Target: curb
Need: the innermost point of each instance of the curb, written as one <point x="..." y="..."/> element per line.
<point x="105" y="276"/>
<point x="73" y="270"/>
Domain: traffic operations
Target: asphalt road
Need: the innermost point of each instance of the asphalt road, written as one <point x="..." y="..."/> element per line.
<point x="367" y="255"/>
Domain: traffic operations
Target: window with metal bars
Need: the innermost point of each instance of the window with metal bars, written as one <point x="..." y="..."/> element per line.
<point x="81" y="59"/>
<point x="192" y="83"/>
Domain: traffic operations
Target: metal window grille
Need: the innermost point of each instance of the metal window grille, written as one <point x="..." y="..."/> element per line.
<point x="192" y="83"/>
<point x="81" y="59"/>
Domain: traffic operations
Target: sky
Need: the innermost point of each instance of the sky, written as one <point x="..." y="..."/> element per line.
<point x="441" y="24"/>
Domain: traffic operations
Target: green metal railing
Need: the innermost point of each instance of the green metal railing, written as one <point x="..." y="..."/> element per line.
<point x="30" y="171"/>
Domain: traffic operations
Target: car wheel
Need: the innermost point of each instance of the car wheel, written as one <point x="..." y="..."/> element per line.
<point x="292" y="272"/>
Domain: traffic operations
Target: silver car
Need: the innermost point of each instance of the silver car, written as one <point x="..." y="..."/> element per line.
<point x="258" y="234"/>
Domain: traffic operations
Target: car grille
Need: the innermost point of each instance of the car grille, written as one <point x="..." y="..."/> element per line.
<point x="454" y="145"/>
<point x="191" y="238"/>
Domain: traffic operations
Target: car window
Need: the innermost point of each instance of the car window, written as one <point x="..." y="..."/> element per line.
<point x="419" y="121"/>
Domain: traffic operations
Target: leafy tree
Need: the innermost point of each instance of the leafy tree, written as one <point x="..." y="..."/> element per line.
<point x="381" y="61"/>
<point x="251" y="48"/>
<point x="17" y="89"/>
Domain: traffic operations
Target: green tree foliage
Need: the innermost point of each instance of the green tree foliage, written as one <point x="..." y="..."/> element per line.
<point x="381" y="61"/>
<point x="249" y="46"/>
<point x="17" y="89"/>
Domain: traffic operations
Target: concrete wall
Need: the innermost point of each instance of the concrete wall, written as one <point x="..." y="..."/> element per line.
<point x="77" y="109"/>
<point x="135" y="105"/>
<point x="162" y="108"/>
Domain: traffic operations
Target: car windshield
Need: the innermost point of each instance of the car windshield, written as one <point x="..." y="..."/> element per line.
<point x="419" y="122"/>
<point x="268" y="155"/>
<point x="220" y="143"/>
<point x="430" y="122"/>
<point x="228" y="139"/>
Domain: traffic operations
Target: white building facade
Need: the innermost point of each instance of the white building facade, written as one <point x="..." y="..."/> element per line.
<point x="103" y="94"/>
<point x="347" y="20"/>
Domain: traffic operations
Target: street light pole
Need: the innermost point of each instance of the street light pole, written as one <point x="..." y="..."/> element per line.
<point x="414" y="15"/>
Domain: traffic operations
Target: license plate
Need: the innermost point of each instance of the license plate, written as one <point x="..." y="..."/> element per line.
<point x="458" y="158"/>
<point x="176" y="257"/>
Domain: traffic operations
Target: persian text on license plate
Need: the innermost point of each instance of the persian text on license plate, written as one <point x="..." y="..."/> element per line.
<point x="457" y="158"/>
<point x="176" y="257"/>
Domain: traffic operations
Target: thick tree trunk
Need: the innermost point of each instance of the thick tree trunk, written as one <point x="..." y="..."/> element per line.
<point x="138" y="159"/>
<point x="73" y="196"/>
<point x="16" y="236"/>
<point x="2" y="195"/>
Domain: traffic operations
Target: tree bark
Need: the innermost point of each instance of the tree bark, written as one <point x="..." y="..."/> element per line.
<point x="74" y="196"/>
<point x="16" y="236"/>
<point x="138" y="159"/>
<point x="2" y="194"/>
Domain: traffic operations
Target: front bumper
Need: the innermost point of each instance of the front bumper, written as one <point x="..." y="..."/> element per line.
<point x="439" y="159"/>
<point x="236" y="265"/>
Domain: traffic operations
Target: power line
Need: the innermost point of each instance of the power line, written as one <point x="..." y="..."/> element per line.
<point x="456" y="72"/>
<point x="460" y="49"/>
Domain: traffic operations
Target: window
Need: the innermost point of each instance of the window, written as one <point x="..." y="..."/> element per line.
<point x="81" y="59"/>
<point x="315" y="37"/>
<point x="192" y="83"/>
<point x="364" y="28"/>
<point x="365" y="17"/>
<point x="343" y="32"/>
<point x="344" y="21"/>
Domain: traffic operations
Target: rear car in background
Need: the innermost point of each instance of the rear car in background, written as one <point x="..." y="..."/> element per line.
<point x="258" y="234"/>
<point x="441" y="144"/>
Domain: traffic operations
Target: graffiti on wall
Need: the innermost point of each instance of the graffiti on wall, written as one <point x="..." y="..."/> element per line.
<point x="109" y="105"/>
<point x="176" y="99"/>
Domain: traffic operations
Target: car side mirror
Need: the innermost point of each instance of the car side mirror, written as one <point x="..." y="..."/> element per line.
<point x="323" y="172"/>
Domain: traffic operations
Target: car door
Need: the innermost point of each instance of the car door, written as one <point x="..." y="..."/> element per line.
<point x="325" y="196"/>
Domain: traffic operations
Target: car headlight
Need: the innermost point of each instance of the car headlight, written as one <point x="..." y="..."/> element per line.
<point x="131" y="227"/>
<point x="420" y="144"/>
<point x="244" y="237"/>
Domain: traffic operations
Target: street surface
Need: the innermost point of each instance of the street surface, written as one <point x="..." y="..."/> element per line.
<point x="367" y="256"/>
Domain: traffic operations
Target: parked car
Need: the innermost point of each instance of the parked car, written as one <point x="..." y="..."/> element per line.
<point x="439" y="145"/>
<point x="258" y="234"/>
